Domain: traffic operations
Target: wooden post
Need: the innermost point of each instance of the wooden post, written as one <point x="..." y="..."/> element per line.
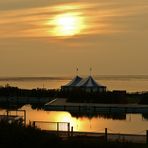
<point x="34" y="124"/>
<point x="146" y="136"/>
<point x="57" y="126"/>
<point x="29" y="123"/>
<point x="25" y="117"/>
<point x="106" y="135"/>
<point x="72" y="131"/>
<point x="68" y="129"/>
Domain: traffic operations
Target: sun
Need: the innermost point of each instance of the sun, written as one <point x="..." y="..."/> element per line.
<point x="67" y="24"/>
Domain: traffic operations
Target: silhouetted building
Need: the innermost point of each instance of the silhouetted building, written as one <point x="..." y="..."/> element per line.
<point x="86" y="84"/>
<point x="72" y="84"/>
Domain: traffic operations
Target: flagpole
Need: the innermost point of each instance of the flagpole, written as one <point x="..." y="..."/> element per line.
<point x="90" y="70"/>
<point x="77" y="71"/>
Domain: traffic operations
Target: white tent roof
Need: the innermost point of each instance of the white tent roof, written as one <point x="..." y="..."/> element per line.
<point x="74" y="81"/>
<point x="88" y="82"/>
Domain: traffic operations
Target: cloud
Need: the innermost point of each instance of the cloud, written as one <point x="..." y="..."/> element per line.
<point x="103" y="17"/>
<point x="23" y="4"/>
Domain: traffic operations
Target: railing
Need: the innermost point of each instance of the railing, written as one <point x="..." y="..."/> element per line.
<point x="16" y="114"/>
<point x="58" y="127"/>
<point x="63" y="129"/>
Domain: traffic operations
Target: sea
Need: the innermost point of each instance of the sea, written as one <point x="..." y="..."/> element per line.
<point x="130" y="83"/>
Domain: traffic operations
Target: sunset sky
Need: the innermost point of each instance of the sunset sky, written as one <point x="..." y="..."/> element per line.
<point x="53" y="37"/>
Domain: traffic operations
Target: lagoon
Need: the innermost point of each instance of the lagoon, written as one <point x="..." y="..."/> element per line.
<point x="116" y="123"/>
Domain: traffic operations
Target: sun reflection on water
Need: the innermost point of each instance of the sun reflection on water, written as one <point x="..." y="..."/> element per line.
<point x="131" y="124"/>
<point x="66" y="117"/>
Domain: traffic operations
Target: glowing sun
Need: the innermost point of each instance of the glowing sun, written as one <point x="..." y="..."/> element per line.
<point x="67" y="24"/>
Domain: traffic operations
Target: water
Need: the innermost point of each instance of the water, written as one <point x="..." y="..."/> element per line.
<point x="131" y="124"/>
<point x="129" y="83"/>
<point x="127" y="123"/>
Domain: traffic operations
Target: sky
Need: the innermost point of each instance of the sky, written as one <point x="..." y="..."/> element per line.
<point x="54" y="37"/>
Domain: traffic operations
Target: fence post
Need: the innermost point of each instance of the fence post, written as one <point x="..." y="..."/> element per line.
<point x="72" y="131"/>
<point x="34" y="124"/>
<point x="68" y="129"/>
<point x="146" y="136"/>
<point x="57" y="126"/>
<point x="25" y="117"/>
<point x="106" y="135"/>
<point x="29" y="123"/>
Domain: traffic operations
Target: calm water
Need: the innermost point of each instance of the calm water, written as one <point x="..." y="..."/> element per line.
<point x="130" y="123"/>
<point x="133" y="123"/>
<point x="129" y="83"/>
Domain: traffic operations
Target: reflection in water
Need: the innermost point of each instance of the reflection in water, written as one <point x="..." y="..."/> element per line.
<point x="105" y="115"/>
<point x="132" y="123"/>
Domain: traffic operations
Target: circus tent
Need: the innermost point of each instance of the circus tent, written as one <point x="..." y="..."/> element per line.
<point x="87" y="84"/>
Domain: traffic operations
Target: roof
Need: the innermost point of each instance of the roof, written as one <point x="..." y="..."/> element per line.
<point x="74" y="81"/>
<point x="88" y="82"/>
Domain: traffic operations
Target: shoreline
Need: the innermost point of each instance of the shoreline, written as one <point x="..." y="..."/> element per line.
<point x="62" y="105"/>
<point x="62" y="101"/>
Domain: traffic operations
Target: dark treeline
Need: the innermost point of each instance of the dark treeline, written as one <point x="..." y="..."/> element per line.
<point x="18" y="136"/>
<point x="96" y="97"/>
<point x="144" y="98"/>
<point x="111" y="97"/>
<point x="76" y="95"/>
<point x="9" y="91"/>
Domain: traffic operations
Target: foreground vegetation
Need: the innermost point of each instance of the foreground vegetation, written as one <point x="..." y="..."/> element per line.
<point x="74" y="96"/>
<point x="17" y="135"/>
